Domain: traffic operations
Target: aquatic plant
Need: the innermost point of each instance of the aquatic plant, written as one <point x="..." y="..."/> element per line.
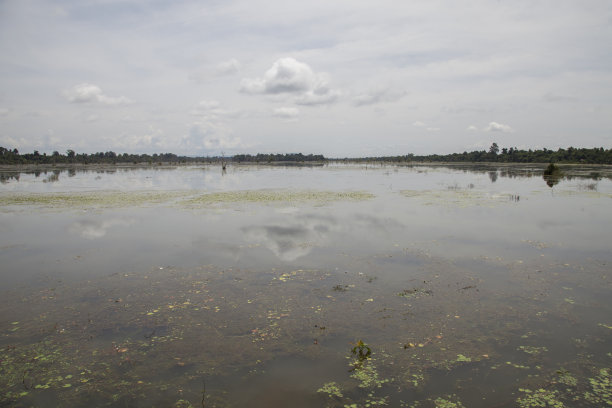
<point x="565" y="377"/>
<point x="534" y="351"/>
<point x="539" y="398"/>
<point x="601" y="388"/>
<point x="448" y="402"/>
<point x="368" y="377"/>
<point x="331" y="389"/>
<point x="362" y="351"/>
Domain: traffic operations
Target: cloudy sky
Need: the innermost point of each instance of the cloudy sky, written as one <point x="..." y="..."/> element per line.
<point x="340" y="78"/>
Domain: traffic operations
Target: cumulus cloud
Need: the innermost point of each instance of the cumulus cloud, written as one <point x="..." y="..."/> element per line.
<point x="378" y="96"/>
<point x="228" y="67"/>
<point x="498" y="127"/>
<point x="286" y="112"/>
<point x="472" y="128"/>
<point x="89" y="93"/>
<point x="291" y="77"/>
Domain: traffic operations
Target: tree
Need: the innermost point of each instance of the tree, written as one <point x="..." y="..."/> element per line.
<point x="494" y="149"/>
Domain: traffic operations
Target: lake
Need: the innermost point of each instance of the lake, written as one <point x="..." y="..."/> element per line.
<point x="340" y="285"/>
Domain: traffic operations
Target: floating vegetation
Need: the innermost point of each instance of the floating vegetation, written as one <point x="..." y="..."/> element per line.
<point x="463" y="359"/>
<point x="539" y="398"/>
<point x="534" y="351"/>
<point x="601" y="389"/>
<point x="273" y="196"/>
<point x="181" y="198"/>
<point x="449" y="401"/>
<point x="565" y="377"/>
<point x="91" y="199"/>
<point x="331" y="389"/>
<point x="460" y="198"/>
<point x="368" y="377"/>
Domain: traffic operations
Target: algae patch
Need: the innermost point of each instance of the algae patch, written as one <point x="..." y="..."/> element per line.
<point x="189" y="199"/>
<point x="91" y="199"/>
<point x="458" y="197"/>
<point x="276" y="196"/>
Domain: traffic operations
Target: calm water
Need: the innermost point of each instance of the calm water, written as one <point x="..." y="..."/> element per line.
<point x="306" y="287"/>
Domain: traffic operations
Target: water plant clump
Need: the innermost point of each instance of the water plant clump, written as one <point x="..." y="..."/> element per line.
<point x="601" y="388"/>
<point x="332" y="389"/>
<point x="539" y="398"/>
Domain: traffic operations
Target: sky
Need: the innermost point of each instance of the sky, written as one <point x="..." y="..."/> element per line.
<point x="339" y="78"/>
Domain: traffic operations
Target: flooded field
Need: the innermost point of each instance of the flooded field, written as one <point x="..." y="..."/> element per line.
<point x="330" y="286"/>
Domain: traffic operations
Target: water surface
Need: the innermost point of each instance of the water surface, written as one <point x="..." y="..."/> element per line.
<point x="260" y="286"/>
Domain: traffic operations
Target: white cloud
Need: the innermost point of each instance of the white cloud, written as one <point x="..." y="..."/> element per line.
<point x="472" y="128"/>
<point x="418" y="123"/>
<point x="89" y="93"/>
<point x="498" y="127"/>
<point x="287" y="76"/>
<point x="286" y="112"/>
<point x="4" y="111"/>
<point x="433" y="129"/>
<point x="229" y="67"/>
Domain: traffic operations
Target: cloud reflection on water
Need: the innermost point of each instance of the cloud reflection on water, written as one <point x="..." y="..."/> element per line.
<point x="94" y="229"/>
<point x="294" y="239"/>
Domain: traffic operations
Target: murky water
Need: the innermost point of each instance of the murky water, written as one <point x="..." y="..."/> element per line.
<point x="306" y="287"/>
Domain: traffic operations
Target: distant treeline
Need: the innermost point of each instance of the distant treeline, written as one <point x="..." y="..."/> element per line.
<point x="597" y="155"/>
<point x="8" y="156"/>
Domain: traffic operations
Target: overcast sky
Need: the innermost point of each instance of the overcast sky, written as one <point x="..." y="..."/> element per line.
<point x="339" y="78"/>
